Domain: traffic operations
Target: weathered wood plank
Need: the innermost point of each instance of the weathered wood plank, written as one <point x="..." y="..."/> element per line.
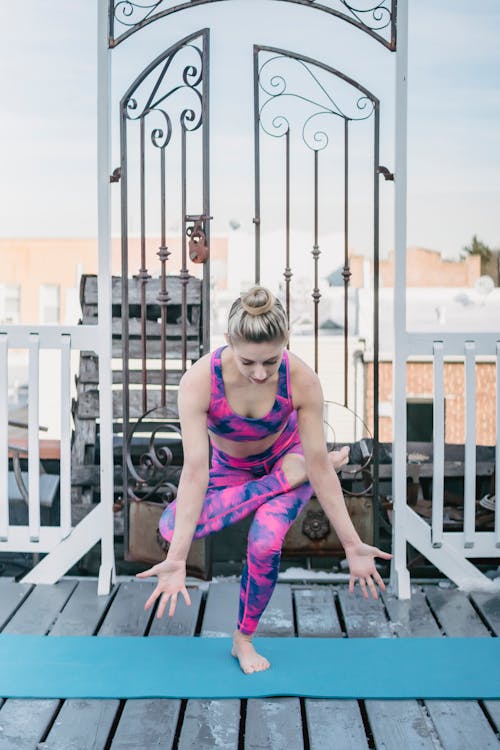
<point x="152" y="723"/>
<point x="23" y="723"/>
<point x="12" y="595"/>
<point x="210" y="724"/>
<point x="489" y="606"/>
<point x="214" y="724"/>
<point x="330" y="723"/>
<point x="493" y="709"/>
<point x="364" y="618"/>
<point x="88" y="291"/>
<point x="455" y="613"/>
<point x="400" y="724"/>
<point x="277" y="619"/>
<point x="275" y="724"/>
<point x="335" y="724"/>
<point x="185" y="618"/>
<point x="221" y="610"/>
<point x="40" y="609"/>
<point x="461" y="725"/>
<point x="316" y="613"/>
<point x="82" y="725"/>
<point x="411" y="618"/>
<point x="147" y="724"/>
<point x="126" y="615"/>
<point x="83" y="612"/>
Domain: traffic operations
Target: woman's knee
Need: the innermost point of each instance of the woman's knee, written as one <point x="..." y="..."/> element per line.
<point x="167" y="522"/>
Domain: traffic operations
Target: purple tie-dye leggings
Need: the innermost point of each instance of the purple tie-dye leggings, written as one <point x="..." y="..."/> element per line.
<point x="236" y="488"/>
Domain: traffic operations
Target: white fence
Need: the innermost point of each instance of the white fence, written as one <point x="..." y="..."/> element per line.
<point x="64" y="544"/>
<point x="450" y="551"/>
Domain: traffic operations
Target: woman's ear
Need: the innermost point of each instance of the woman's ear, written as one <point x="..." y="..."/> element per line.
<point x="227" y="339"/>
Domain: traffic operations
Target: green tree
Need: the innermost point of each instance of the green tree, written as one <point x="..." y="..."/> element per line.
<point x="477" y="247"/>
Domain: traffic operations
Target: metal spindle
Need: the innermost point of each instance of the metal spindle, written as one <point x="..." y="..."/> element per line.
<point x="163" y="295"/>
<point x="184" y="274"/>
<point x="438" y="443"/>
<point x="316" y="295"/>
<point x="143" y="273"/>
<point x="346" y="272"/>
<point x="288" y="271"/>
<point x="470" y="445"/>
<point x="256" y="118"/>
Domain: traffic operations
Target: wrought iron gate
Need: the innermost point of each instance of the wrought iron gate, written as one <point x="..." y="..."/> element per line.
<point x="155" y="107"/>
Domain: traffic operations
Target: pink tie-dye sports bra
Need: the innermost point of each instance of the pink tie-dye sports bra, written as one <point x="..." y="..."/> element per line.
<point x="223" y="421"/>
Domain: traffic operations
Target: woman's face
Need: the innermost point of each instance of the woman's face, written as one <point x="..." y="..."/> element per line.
<point x="257" y="362"/>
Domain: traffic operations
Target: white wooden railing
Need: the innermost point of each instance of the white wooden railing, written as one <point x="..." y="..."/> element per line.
<point x="64" y="544"/>
<point x="449" y="551"/>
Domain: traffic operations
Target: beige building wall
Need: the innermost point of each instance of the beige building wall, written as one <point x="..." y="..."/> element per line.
<point x="34" y="263"/>
<point x="425" y="268"/>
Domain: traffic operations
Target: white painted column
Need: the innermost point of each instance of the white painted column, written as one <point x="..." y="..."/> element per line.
<point x="438" y="440"/>
<point x="4" y="438"/>
<point x="400" y="578"/>
<point x="65" y="465"/>
<point x="33" y="438"/>
<point x="107" y="569"/>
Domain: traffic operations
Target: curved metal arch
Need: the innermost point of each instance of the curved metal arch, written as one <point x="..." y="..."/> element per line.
<point x="379" y="10"/>
<point x="202" y="33"/>
<point x="317" y="63"/>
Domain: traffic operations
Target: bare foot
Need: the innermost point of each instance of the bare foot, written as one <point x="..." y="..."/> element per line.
<point x="243" y="650"/>
<point x="294" y="465"/>
<point x="339" y="458"/>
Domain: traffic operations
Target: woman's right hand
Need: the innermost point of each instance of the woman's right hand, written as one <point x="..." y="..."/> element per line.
<point x="171" y="581"/>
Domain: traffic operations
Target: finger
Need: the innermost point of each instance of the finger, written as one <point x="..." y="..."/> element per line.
<point x="372" y="588"/>
<point x="352" y="581"/>
<point x="146" y="573"/>
<point x="362" y="583"/>
<point x="379" y="580"/>
<point x="154" y="596"/>
<point x="162" y="606"/>
<point x="173" y="604"/>
<point x="380" y="553"/>
<point x="186" y="596"/>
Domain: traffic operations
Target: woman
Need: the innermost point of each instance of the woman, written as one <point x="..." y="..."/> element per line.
<point x="263" y="409"/>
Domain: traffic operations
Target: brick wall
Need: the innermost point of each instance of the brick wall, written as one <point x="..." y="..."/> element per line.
<point x="419" y="383"/>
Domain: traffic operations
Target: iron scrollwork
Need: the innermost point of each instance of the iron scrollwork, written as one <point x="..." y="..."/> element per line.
<point x="277" y="88"/>
<point x="152" y="474"/>
<point x="128" y="16"/>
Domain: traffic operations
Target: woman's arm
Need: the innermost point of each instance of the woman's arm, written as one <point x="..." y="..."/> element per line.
<point x="193" y="400"/>
<point x="308" y="399"/>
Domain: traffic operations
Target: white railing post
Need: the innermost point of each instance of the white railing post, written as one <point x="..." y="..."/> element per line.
<point x="34" y="438"/>
<point x="65" y="453"/>
<point x="4" y="438"/>
<point x="470" y="445"/>
<point x="107" y="569"/>
<point x="400" y="578"/>
<point x="497" y="450"/>
<point x="438" y="440"/>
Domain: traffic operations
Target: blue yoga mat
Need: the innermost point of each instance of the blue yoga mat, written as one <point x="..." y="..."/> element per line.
<point x="181" y="667"/>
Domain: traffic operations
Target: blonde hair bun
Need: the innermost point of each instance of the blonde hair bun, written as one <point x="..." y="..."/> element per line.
<point x="257" y="315"/>
<point x="258" y="301"/>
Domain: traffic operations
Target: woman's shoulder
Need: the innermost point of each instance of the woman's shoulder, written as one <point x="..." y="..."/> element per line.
<point x="196" y="380"/>
<point x="303" y="379"/>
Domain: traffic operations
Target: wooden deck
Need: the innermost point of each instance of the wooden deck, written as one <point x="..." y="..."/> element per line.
<point x="72" y="607"/>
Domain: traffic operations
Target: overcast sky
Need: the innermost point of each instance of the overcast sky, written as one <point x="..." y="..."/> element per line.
<point x="48" y="122"/>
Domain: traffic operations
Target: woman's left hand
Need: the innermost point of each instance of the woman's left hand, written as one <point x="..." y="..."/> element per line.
<point x="361" y="561"/>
